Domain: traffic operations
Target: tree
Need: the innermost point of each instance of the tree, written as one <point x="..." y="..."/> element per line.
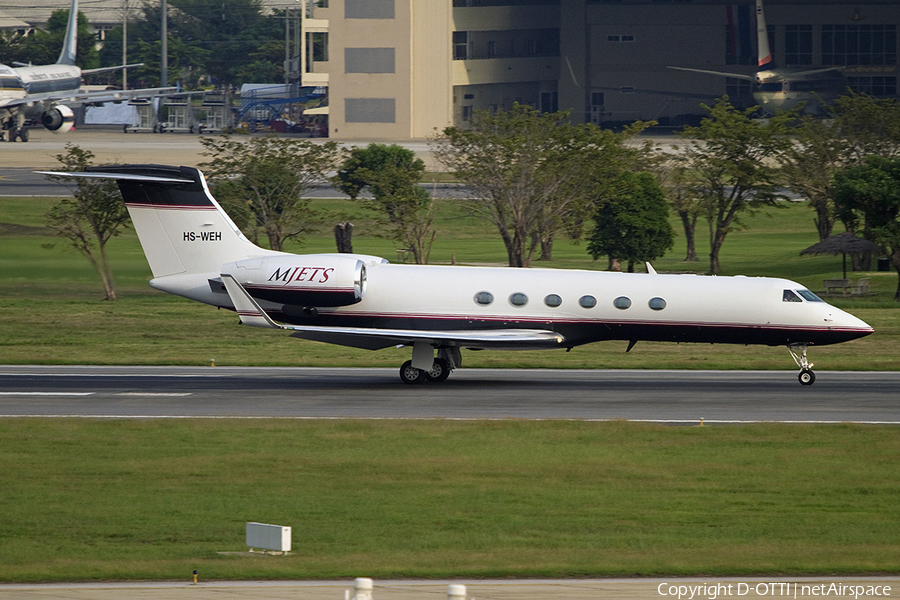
<point x="262" y="182"/>
<point x="533" y="174"/>
<point x="43" y="46"/>
<point x="392" y="174"/>
<point x="211" y="39"/>
<point x="676" y="180"/>
<point x="869" y="126"/>
<point x="633" y="223"/>
<point x="91" y="217"/>
<point x="860" y="125"/>
<point x="869" y="195"/>
<point x="734" y="159"/>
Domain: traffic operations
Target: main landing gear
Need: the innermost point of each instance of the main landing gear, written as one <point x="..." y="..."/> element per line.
<point x="447" y="360"/>
<point x="806" y="375"/>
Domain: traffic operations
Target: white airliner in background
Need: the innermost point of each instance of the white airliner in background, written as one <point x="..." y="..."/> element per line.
<point x="43" y="92"/>
<point x="784" y="88"/>
<point x="195" y="250"/>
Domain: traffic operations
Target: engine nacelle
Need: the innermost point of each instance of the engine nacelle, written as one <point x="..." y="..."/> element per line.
<point x="59" y="119"/>
<point x="308" y="280"/>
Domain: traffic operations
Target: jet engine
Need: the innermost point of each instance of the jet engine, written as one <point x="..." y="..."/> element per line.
<point x="59" y="119"/>
<point x="308" y="280"/>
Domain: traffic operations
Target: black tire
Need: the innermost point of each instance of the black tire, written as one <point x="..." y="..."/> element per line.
<point x="23" y="134"/>
<point x="13" y="134"/>
<point x="806" y="377"/>
<point x="409" y="374"/>
<point x="440" y="371"/>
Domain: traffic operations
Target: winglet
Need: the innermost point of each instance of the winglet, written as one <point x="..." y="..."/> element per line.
<point x="650" y="268"/>
<point x="247" y="308"/>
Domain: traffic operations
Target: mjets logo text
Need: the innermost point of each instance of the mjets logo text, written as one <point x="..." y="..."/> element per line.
<point x="302" y="275"/>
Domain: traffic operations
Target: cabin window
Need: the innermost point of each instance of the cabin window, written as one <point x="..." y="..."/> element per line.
<point x="790" y="296"/>
<point x="587" y="302"/>
<point x="622" y="302"/>
<point x="657" y="303"/>
<point x="484" y="298"/>
<point x="553" y="300"/>
<point x="518" y="299"/>
<point x="809" y="296"/>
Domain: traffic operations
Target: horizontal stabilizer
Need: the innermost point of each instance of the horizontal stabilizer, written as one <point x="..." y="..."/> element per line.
<point x="116" y="176"/>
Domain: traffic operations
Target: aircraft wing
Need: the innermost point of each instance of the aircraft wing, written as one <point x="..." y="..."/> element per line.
<point x="633" y="90"/>
<point x="374" y="338"/>
<point x="815" y="71"/>
<point x="98" y="96"/>
<point x="719" y="73"/>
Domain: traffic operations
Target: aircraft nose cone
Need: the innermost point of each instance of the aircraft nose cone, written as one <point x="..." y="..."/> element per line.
<point x="853" y="326"/>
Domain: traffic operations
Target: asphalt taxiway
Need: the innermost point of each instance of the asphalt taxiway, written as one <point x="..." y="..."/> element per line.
<point x="252" y="392"/>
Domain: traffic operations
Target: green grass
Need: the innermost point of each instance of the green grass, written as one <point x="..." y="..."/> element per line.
<point x="95" y="499"/>
<point x="112" y="499"/>
<point x="53" y="312"/>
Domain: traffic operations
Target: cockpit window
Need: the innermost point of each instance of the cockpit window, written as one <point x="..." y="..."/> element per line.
<point x="809" y="296"/>
<point x="790" y="296"/>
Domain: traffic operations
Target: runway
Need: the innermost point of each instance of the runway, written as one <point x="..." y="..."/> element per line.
<point x="678" y="397"/>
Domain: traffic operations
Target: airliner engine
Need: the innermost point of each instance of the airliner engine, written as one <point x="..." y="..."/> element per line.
<point x="303" y="280"/>
<point x="59" y="119"/>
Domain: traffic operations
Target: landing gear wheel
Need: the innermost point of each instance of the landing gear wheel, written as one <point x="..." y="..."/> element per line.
<point x="13" y="134"/>
<point x="409" y="374"/>
<point x="23" y="134"/>
<point x="806" y="377"/>
<point x="440" y="371"/>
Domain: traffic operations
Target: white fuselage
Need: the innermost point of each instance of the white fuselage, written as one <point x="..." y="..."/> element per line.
<point x="582" y="305"/>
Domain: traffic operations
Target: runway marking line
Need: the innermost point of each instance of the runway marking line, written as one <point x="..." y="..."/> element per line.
<point x="47" y="393"/>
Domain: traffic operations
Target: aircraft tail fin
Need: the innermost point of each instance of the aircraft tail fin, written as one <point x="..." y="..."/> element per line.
<point x="764" y="54"/>
<point x="70" y="42"/>
<point x="181" y="227"/>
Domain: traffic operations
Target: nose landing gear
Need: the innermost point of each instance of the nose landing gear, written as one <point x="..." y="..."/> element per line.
<point x="806" y="375"/>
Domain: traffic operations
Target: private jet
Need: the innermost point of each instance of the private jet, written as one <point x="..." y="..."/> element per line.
<point x="196" y="251"/>
<point x="43" y="93"/>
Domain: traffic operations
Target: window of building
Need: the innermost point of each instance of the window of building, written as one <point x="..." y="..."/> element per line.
<point x="369" y="60"/>
<point x="874" y="86"/>
<point x="368" y="9"/>
<point x="465" y="3"/>
<point x="460" y="45"/>
<point x="549" y="102"/>
<point x="859" y="44"/>
<point x="370" y="110"/>
<point x="798" y="44"/>
<point x="597" y="107"/>
<point x="739" y="90"/>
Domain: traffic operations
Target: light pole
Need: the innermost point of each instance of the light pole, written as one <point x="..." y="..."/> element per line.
<point x="124" y="44"/>
<point x="165" y="44"/>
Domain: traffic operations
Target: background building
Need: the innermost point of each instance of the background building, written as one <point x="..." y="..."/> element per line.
<point x="398" y="69"/>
